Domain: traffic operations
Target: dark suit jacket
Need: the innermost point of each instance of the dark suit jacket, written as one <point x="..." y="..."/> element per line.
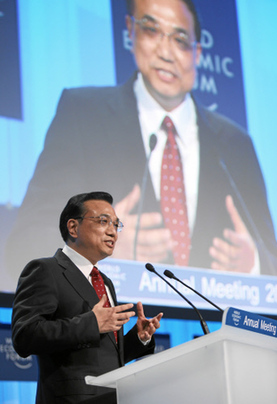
<point x="52" y="319"/>
<point x="94" y="143"/>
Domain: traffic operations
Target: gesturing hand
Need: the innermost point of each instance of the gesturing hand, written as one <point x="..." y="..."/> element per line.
<point x="237" y="251"/>
<point x="146" y="328"/>
<point x="153" y="244"/>
<point x="112" y="318"/>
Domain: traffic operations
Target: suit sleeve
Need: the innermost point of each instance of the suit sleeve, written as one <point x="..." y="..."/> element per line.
<point x="37" y="325"/>
<point x="133" y="347"/>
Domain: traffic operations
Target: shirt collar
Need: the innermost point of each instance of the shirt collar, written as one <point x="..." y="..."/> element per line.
<point x="183" y="117"/>
<point x="79" y="260"/>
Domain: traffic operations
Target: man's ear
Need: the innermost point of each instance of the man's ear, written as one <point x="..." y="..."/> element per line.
<point x="72" y="227"/>
<point x="129" y="26"/>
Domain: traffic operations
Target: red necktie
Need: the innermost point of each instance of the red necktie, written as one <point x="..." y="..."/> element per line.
<point x="173" y="196"/>
<point x="99" y="287"/>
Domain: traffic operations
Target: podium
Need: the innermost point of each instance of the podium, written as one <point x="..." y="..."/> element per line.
<point x="229" y="366"/>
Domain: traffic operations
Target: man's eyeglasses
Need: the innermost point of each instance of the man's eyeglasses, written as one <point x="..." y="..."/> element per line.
<point x="151" y="30"/>
<point x="105" y="221"/>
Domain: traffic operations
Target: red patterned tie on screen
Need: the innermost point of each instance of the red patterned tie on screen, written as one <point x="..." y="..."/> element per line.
<point x="99" y="287"/>
<point x="173" y="196"/>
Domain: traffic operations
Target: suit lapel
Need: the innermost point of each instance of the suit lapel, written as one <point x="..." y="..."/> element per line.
<point x="77" y="280"/>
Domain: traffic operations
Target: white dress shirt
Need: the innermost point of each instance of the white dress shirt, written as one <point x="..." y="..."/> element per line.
<point x="85" y="266"/>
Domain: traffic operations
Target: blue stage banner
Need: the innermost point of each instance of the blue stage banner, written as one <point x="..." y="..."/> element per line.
<point x="219" y="85"/>
<point x="250" y="322"/>
<point x="134" y="283"/>
<point x="12" y="366"/>
<point x="10" y="81"/>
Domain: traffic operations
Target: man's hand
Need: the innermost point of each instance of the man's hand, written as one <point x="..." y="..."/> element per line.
<point x="146" y="328"/>
<point x="112" y="318"/>
<point x="153" y="244"/>
<point x="237" y="251"/>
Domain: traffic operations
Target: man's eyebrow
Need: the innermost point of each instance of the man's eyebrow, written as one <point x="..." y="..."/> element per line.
<point x="106" y="215"/>
<point x="150" y="18"/>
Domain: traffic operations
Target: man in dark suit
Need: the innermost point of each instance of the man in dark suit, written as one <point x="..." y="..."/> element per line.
<point x="57" y="314"/>
<point x="114" y="124"/>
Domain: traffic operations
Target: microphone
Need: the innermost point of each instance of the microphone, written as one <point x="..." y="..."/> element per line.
<point x="203" y="323"/>
<point x="152" y="145"/>
<point x="171" y="275"/>
<point x="247" y="213"/>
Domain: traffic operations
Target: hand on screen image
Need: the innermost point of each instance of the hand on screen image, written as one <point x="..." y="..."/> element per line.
<point x="236" y="252"/>
<point x="153" y="244"/>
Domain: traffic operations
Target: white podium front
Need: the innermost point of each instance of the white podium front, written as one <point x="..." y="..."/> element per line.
<point x="229" y="366"/>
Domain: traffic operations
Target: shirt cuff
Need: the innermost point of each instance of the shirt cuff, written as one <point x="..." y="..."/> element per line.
<point x="144" y="342"/>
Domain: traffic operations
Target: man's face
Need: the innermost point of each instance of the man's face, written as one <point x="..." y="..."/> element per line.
<point x="92" y="239"/>
<point x="168" y="71"/>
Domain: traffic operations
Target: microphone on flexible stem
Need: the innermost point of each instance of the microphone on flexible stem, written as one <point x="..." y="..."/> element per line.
<point x="203" y="323"/>
<point x="247" y="213"/>
<point x="171" y="275"/>
<point x="152" y="145"/>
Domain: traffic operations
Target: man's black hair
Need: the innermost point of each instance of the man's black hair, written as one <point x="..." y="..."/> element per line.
<point x="75" y="208"/>
<point x="130" y="4"/>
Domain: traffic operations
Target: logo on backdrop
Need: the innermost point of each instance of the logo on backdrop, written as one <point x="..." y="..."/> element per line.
<point x="12" y="366"/>
<point x="7" y="350"/>
<point x="219" y="85"/>
<point x="236" y="316"/>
